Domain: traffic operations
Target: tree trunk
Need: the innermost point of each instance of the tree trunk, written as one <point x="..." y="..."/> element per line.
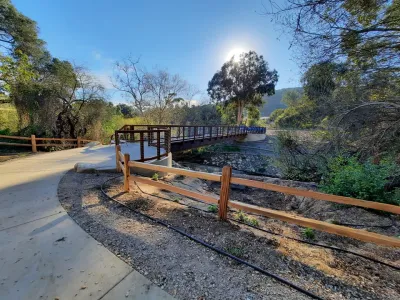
<point x="240" y="112"/>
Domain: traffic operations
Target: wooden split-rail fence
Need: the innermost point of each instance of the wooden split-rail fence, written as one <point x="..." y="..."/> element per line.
<point x="125" y="165"/>
<point x="34" y="142"/>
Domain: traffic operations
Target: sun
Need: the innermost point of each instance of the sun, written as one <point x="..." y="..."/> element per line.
<point x="236" y="53"/>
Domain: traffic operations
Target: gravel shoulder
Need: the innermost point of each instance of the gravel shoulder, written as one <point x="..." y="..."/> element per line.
<point x="188" y="270"/>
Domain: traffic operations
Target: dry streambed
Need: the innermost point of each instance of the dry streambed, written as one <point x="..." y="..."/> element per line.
<point x="190" y="271"/>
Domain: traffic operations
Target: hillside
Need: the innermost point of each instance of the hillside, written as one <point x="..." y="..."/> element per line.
<point x="274" y="101"/>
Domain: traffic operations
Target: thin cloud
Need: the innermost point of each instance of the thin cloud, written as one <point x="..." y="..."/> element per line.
<point x="96" y="55"/>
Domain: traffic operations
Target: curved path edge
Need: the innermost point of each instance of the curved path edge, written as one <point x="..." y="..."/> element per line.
<point x="44" y="254"/>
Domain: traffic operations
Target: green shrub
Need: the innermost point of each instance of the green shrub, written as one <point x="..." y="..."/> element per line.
<point x="242" y="217"/>
<point x="176" y="199"/>
<point x="155" y="177"/>
<point x="212" y="208"/>
<point x="351" y="178"/>
<point x="309" y="233"/>
<point x="297" y="161"/>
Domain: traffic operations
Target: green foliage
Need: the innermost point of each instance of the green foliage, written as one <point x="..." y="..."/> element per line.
<point x="309" y="233"/>
<point x="363" y="180"/>
<point x="8" y="119"/>
<point x="296" y="161"/>
<point x="235" y="251"/>
<point x="212" y="208"/>
<point x="18" y="32"/>
<point x="242" y="217"/>
<point x="230" y="86"/>
<point x="291" y="97"/>
<point x="176" y="199"/>
<point x="227" y="113"/>
<point x="155" y="177"/>
<point x="126" y="110"/>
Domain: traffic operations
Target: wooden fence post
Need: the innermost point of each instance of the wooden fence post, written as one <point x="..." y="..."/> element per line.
<point x="224" y="195"/>
<point x="117" y="150"/>
<point x="127" y="172"/>
<point x="78" y="142"/>
<point x="33" y="142"/>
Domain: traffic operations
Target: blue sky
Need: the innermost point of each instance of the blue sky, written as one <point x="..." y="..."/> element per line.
<point x="192" y="38"/>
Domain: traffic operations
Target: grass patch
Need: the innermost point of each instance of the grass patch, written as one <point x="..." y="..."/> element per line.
<point x="242" y="217"/>
<point x="155" y="177"/>
<point x="235" y="251"/>
<point x="212" y="208"/>
<point x="176" y="199"/>
<point x="309" y="233"/>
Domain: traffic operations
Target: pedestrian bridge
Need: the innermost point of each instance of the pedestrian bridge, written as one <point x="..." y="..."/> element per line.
<point x="175" y="138"/>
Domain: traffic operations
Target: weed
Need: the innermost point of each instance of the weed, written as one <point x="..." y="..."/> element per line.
<point x="242" y="217"/>
<point x="212" y="208"/>
<point x="309" y="233"/>
<point x="155" y="177"/>
<point x="176" y="199"/>
<point x="235" y="251"/>
<point x="253" y="222"/>
<point x="155" y="194"/>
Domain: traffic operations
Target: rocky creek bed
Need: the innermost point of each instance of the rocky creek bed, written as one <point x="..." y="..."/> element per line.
<point x="188" y="270"/>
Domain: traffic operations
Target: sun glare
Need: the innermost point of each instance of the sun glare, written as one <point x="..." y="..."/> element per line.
<point x="236" y="53"/>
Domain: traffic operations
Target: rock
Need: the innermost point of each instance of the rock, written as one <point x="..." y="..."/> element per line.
<point x="84" y="168"/>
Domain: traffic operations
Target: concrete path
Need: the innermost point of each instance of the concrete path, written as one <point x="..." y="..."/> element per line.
<point x="44" y="254"/>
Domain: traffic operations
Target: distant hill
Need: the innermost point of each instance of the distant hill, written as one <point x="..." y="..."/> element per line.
<point x="274" y="101"/>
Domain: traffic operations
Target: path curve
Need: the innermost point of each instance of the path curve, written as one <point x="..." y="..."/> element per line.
<point x="44" y="254"/>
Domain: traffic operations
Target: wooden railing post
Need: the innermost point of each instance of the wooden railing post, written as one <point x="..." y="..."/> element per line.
<point x="127" y="172"/>
<point x="116" y="137"/>
<point x="158" y="145"/>
<point x="33" y="143"/>
<point x="224" y="195"/>
<point x="117" y="150"/>
<point x="142" y="146"/>
<point x="78" y="142"/>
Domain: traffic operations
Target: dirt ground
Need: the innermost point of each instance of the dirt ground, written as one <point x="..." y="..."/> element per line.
<point x="188" y="270"/>
<point x="6" y="154"/>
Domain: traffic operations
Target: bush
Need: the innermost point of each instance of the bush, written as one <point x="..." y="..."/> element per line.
<point x="351" y="178"/>
<point x="212" y="208"/>
<point x="298" y="162"/>
<point x="309" y="233"/>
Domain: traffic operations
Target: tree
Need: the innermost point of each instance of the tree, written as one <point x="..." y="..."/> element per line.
<point x="291" y="97"/>
<point x="165" y="91"/>
<point x="365" y="32"/>
<point x="243" y="82"/>
<point x="126" y="110"/>
<point x="52" y="104"/>
<point x="131" y="80"/>
<point x="18" y="32"/>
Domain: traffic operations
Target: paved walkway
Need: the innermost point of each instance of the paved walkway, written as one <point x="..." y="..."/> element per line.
<point x="44" y="254"/>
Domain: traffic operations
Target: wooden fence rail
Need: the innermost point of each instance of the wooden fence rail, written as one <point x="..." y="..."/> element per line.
<point x="224" y="203"/>
<point x="33" y="142"/>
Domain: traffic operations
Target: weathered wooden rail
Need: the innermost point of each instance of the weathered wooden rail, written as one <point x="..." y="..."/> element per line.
<point x="44" y="142"/>
<point x="226" y="179"/>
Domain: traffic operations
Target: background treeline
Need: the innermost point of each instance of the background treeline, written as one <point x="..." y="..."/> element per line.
<point x="43" y="95"/>
<point x="349" y="99"/>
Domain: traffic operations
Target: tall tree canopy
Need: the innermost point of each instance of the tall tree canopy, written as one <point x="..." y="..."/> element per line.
<point x="18" y="32"/>
<point x="366" y="32"/>
<point x="243" y="82"/>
